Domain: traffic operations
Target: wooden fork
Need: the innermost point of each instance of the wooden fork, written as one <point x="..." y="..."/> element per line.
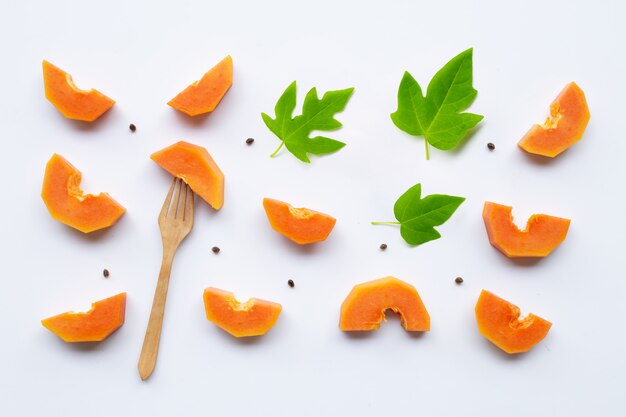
<point x="175" y="222"/>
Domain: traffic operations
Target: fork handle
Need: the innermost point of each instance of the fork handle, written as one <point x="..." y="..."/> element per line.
<point x="150" y="348"/>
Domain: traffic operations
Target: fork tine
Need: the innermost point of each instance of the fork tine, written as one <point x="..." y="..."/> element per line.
<point x="180" y="206"/>
<point x="168" y="200"/>
<point x="176" y="200"/>
<point x="189" y="205"/>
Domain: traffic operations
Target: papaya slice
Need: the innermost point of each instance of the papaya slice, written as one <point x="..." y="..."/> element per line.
<point x="252" y="318"/>
<point x="203" y="95"/>
<point x="569" y="115"/>
<point x="300" y="225"/>
<point x="66" y="202"/>
<point x="364" y="308"/>
<point x="194" y="165"/>
<point x="72" y="102"/>
<point x="499" y="321"/>
<point x="95" y="325"/>
<point x="542" y="235"/>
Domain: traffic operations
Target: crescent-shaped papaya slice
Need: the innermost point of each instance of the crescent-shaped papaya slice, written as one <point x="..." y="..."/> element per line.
<point x="364" y="308"/>
<point x="300" y="225"/>
<point x="499" y="321"/>
<point x="252" y="318"/>
<point x="542" y="235"/>
<point x="569" y="115"/>
<point x="194" y="165"/>
<point x="67" y="203"/>
<point x="95" y="325"/>
<point x="72" y="102"/>
<point x="203" y="95"/>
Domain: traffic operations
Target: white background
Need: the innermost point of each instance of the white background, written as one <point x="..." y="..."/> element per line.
<point x="143" y="54"/>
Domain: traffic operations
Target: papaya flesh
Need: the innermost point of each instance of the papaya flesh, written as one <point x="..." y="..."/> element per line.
<point x="364" y="308"/>
<point x="542" y="235"/>
<point x="499" y="321"/>
<point x="569" y="115"/>
<point x="203" y="95"/>
<point x="67" y="203"/>
<point x="194" y="165"/>
<point x="72" y="102"/>
<point x="95" y="325"/>
<point x="252" y="318"/>
<point x="301" y="225"/>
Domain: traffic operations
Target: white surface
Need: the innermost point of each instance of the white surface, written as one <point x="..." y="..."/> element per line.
<point x="143" y="54"/>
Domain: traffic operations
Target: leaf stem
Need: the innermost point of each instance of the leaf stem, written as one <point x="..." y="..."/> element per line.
<point x="273" y="154"/>
<point x="427" y="153"/>
<point x="387" y="223"/>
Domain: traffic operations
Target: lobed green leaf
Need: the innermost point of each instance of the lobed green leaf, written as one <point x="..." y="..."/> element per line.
<point x="437" y="116"/>
<point x="317" y="114"/>
<point x="418" y="216"/>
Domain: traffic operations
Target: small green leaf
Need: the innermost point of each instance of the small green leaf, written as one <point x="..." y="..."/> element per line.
<point x="437" y="116"/>
<point x="418" y="216"/>
<point x="316" y="114"/>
